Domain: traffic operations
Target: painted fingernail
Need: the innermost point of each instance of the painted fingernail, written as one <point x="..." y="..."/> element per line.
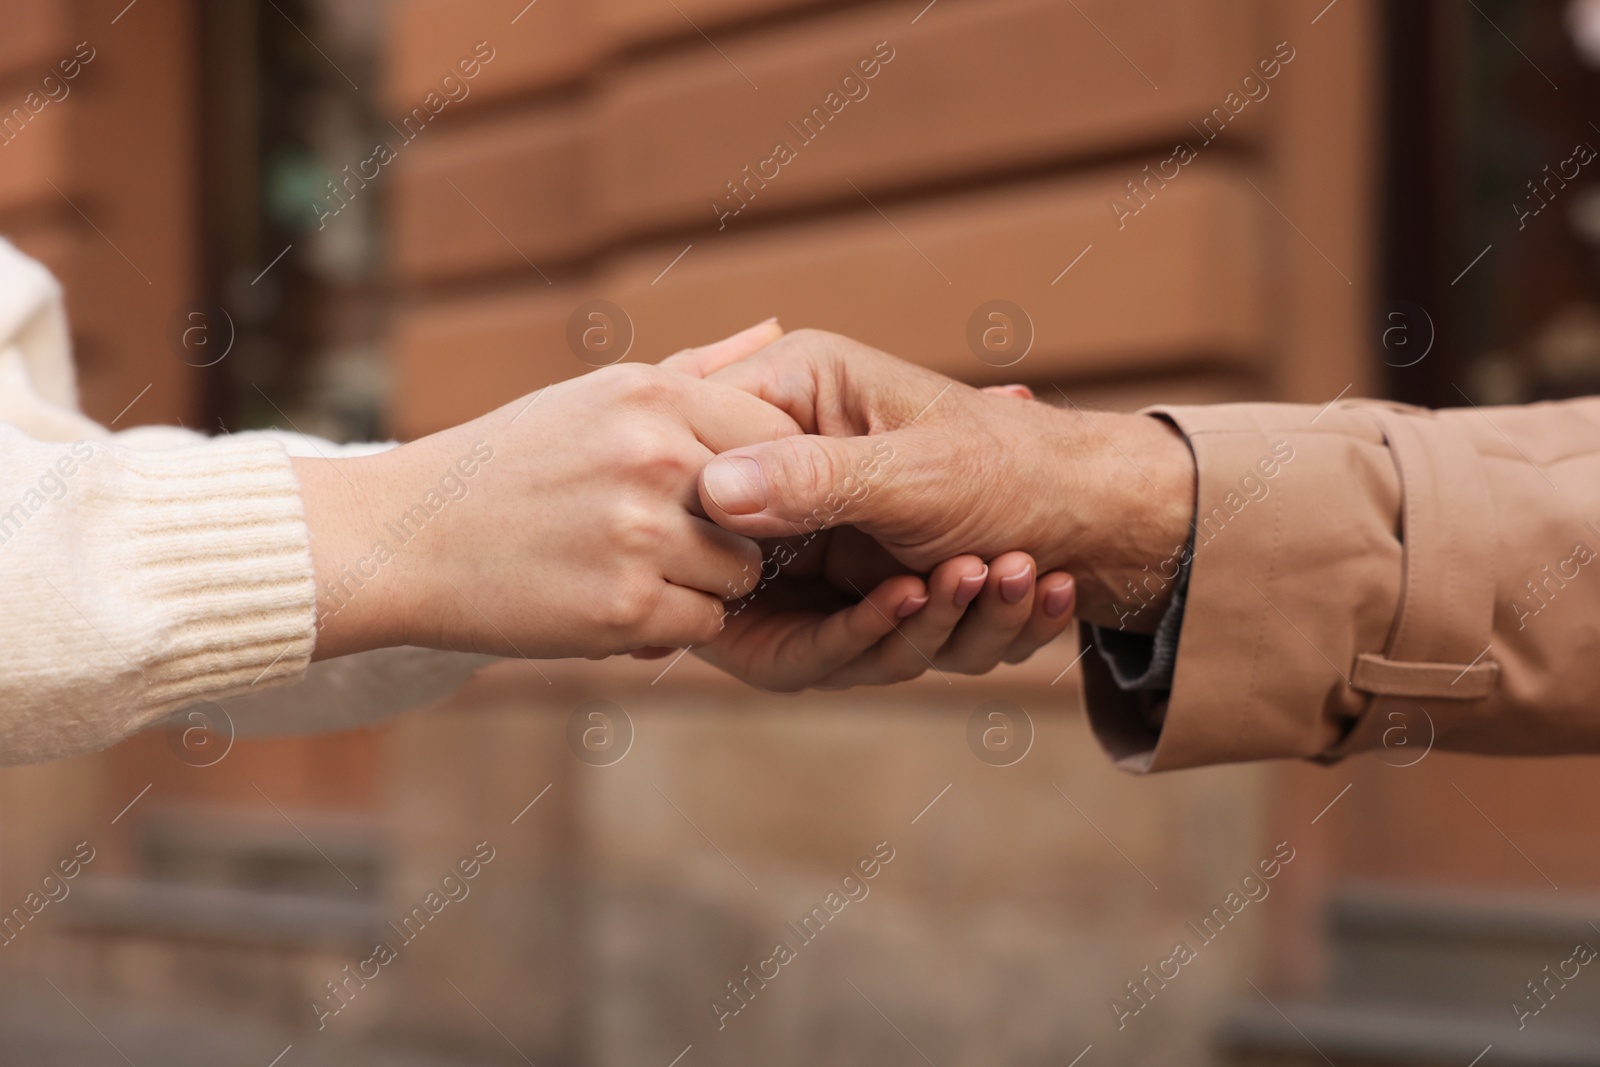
<point x="1014" y="587"/>
<point x="968" y="588"/>
<point x="1058" y="600"/>
<point x="911" y="606"/>
<point x="734" y="484"/>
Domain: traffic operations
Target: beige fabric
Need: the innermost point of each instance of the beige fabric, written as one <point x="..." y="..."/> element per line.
<point x="1440" y="569"/>
<point x="153" y="569"/>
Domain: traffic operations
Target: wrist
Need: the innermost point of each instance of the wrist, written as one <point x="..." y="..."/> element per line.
<point x="1124" y="534"/>
<point x="362" y="592"/>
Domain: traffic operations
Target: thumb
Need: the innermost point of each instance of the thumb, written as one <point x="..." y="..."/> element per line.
<point x="799" y="484"/>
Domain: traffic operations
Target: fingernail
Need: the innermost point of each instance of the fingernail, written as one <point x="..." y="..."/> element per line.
<point x="734" y="484"/>
<point x="911" y="606"/>
<point x="1014" y="587"/>
<point x="768" y="322"/>
<point x="968" y="588"/>
<point x="1058" y="600"/>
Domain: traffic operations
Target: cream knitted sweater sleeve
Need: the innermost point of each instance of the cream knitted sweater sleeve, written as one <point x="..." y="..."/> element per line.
<point x="152" y="570"/>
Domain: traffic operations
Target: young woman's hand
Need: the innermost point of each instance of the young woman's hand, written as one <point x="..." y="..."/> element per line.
<point x="565" y="523"/>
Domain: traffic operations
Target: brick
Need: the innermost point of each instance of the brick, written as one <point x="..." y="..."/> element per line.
<point x="34" y="35"/>
<point x="1182" y="285"/>
<point x="552" y="41"/>
<point x="680" y="128"/>
<point x="484" y="199"/>
<point x="458" y="359"/>
<point x="656" y="147"/>
<point x="33" y="158"/>
<point x="638" y="20"/>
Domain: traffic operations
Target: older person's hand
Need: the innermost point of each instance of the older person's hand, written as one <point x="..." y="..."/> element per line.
<point x="932" y="469"/>
<point x="814" y="624"/>
<point x="831" y="608"/>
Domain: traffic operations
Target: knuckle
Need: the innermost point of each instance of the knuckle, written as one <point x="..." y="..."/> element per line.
<point x="699" y="629"/>
<point x="810" y="337"/>
<point x="710" y="626"/>
<point x="637" y="529"/>
<point x="648" y="451"/>
<point x="826" y="343"/>
<point x="907" y="667"/>
<point x="813" y="343"/>
<point x="631" y="604"/>
<point x="910" y="672"/>
<point x="821" y="338"/>
<point x="631" y="382"/>
<point x="809" y="472"/>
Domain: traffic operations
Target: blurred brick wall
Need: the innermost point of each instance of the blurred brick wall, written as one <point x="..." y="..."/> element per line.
<point x="97" y="179"/>
<point x="584" y="164"/>
<point x="100" y="183"/>
<point x="980" y="163"/>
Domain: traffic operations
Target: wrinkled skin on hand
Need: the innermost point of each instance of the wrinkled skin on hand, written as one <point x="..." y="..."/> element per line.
<point x="972" y="471"/>
<point x="833" y="608"/>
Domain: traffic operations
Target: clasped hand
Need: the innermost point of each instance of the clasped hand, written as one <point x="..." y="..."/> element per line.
<point x="800" y="511"/>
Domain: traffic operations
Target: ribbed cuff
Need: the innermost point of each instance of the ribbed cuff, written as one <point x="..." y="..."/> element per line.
<point x="215" y="543"/>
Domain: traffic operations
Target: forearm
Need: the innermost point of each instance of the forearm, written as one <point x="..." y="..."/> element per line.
<point x="1125" y="492"/>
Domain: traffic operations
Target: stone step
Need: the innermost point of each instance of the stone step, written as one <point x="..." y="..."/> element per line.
<point x="150" y="908"/>
<point x="234" y="950"/>
<point x="1256" y="1034"/>
<point x="252" y="849"/>
<point x="41" y="1027"/>
<point x="1466" y="951"/>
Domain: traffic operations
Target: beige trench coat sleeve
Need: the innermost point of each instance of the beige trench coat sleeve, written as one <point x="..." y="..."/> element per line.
<point x="1366" y="568"/>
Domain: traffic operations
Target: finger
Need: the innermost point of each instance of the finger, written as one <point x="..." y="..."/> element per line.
<point x="682" y="618"/>
<point x="721" y="416"/>
<point x="652" y="652"/>
<point x="813" y="651"/>
<point x="995" y="618"/>
<point x="1021" y="392"/>
<point x="833" y="385"/>
<point x="708" y="359"/>
<point x="922" y="631"/>
<point x="705" y="557"/>
<point x="790" y="373"/>
<point x="1053" y="601"/>
<point x="799" y="483"/>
